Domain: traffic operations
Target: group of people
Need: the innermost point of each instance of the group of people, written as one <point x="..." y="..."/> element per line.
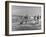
<point x="26" y="18"/>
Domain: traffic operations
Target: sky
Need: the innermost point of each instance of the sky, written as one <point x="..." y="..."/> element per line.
<point x="26" y="10"/>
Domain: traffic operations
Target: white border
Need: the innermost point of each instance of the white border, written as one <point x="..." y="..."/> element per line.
<point x="24" y="32"/>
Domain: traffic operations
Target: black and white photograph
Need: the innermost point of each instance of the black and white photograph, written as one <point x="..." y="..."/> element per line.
<point x="25" y="18"/>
